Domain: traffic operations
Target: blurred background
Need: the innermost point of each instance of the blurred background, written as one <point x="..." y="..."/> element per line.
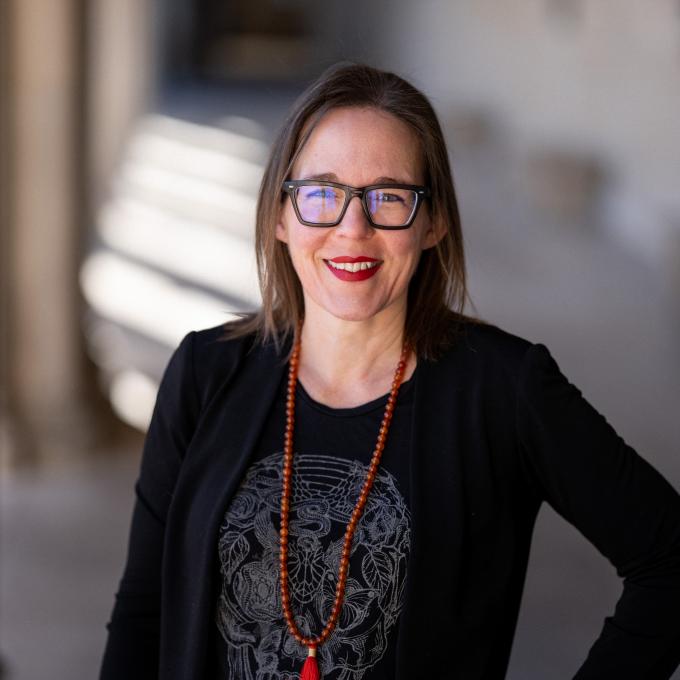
<point x="132" y="138"/>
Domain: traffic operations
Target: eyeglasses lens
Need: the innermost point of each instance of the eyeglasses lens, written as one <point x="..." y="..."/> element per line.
<point x="388" y="207"/>
<point x="391" y="207"/>
<point x="320" y="204"/>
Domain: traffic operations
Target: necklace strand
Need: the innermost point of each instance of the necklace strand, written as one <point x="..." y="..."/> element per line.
<point x="313" y="642"/>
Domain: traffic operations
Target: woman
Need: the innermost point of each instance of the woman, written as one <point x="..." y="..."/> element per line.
<point x="347" y="481"/>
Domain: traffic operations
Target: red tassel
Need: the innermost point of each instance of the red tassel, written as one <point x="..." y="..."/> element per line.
<point x="310" y="671"/>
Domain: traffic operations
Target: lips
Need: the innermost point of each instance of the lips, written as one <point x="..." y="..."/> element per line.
<point x="345" y="258"/>
<point x="353" y="268"/>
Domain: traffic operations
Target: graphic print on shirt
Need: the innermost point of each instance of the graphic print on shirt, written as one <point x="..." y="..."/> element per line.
<point x="249" y="612"/>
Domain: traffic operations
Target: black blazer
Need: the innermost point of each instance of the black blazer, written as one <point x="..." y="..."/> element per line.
<point x="497" y="430"/>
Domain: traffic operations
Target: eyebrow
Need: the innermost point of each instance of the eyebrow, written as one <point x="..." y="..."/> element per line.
<point x="332" y="177"/>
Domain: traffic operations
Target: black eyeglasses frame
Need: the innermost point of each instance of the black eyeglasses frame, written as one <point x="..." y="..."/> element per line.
<point x="289" y="187"/>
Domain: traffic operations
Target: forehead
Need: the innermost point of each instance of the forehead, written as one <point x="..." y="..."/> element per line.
<point x="359" y="146"/>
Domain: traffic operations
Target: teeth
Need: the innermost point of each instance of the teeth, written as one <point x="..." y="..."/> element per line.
<point x="352" y="266"/>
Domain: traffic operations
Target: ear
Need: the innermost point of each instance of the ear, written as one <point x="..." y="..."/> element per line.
<point x="281" y="231"/>
<point x="434" y="233"/>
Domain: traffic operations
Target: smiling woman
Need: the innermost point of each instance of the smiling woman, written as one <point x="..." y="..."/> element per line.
<point x="344" y="484"/>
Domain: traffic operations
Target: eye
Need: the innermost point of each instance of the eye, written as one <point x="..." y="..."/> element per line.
<point x="317" y="193"/>
<point x="388" y="197"/>
<point x="323" y="193"/>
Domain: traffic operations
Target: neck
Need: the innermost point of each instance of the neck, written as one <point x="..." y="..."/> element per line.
<point x="346" y="363"/>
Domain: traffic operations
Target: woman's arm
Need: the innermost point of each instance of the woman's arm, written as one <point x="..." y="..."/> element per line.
<point x="584" y="469"/>
<point x="134" y="629"/>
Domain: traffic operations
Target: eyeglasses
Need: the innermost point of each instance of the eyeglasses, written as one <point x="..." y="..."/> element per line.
<point x="323" y="204"/>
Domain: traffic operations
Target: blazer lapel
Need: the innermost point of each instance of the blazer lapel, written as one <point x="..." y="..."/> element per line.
<point x="428" y="622"/>
<point x="212" y="471"/>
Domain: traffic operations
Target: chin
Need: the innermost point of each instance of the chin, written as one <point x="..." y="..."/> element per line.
<point x="349" y="308"/>
<point x="352" y="314"/>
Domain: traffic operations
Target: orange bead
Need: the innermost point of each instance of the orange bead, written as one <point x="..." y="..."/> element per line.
<point x="286" y="488"/>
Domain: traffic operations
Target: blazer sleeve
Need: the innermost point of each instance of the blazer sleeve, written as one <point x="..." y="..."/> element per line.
<point x="620" y="503"/>
<point x="132" y="647"/>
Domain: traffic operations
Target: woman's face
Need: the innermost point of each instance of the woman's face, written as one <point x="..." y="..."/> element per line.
<point x="358" y="147"/>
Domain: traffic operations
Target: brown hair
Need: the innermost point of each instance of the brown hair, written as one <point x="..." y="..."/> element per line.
<point x="438" y="290"/>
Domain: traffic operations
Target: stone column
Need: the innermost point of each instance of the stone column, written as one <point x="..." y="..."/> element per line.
<point x="45" y="375"/>
<point x="5" y="210"/>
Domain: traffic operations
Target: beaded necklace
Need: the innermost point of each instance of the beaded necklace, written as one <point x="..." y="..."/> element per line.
<point x="310" y="670"/>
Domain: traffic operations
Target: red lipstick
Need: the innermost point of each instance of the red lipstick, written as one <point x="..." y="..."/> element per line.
<point x="347" y="274"/>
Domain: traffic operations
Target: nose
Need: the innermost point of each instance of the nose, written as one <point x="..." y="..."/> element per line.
<point x="354" y="223"/>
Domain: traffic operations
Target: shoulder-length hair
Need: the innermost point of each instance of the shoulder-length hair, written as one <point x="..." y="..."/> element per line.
<point x="438" y="290"/>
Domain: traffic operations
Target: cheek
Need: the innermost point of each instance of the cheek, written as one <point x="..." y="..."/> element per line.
<point x="408" y="253"/>
<point x="303" y="245"/>
<point x="410" y="247"/>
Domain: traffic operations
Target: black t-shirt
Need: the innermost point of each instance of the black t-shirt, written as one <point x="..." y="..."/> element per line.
<point x="332" y="450"/>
